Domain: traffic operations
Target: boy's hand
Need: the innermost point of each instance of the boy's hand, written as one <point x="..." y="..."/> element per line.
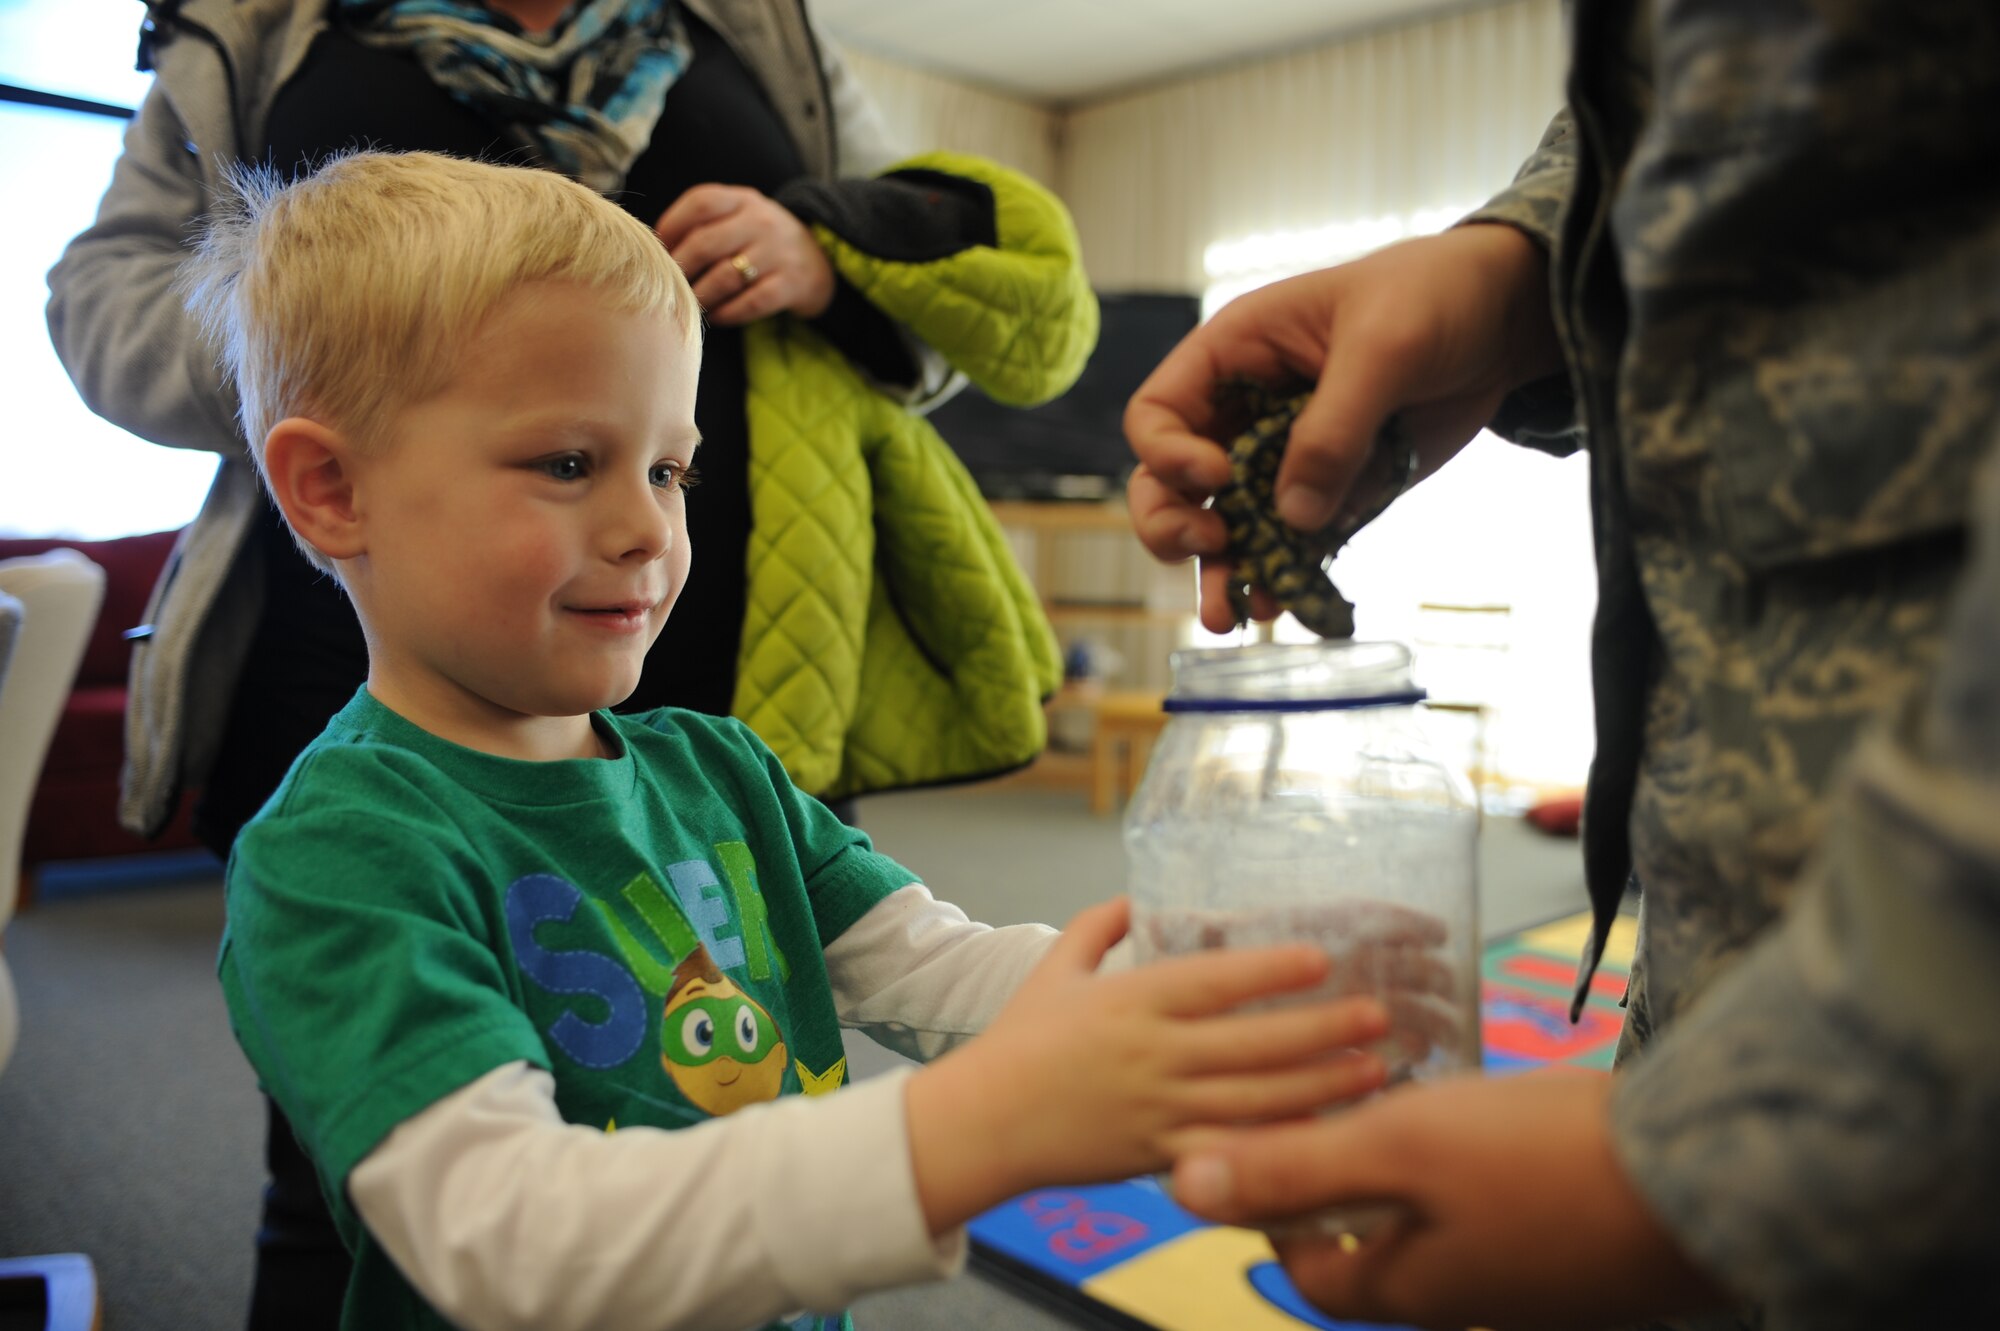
<point x="1516" y="1211"/>
<point x="1438" y="330"/>
<point x="711" y="227"/>
<point x="1086" y="1077"/>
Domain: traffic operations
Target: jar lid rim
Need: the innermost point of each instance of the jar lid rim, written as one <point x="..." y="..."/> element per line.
<point x="1294" y="675"/>
<point x="1404" y="698"/>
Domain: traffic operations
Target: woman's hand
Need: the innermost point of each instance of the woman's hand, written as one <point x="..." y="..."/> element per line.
<point x="1437" y="330"/>
<point x="1514" y="1210"/>
<point x="746" y="255"/>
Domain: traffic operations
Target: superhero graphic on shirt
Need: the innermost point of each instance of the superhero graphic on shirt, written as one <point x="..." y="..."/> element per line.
<point x="721" y="1048"/>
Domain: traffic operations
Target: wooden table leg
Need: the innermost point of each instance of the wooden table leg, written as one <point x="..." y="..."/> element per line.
<point x="1103" y="768"/>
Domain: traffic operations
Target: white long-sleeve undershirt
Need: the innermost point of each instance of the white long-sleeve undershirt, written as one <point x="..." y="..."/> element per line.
<point x="502" y="1215"/>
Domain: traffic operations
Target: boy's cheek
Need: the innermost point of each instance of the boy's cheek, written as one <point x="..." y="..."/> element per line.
<point x="524" y="567"/>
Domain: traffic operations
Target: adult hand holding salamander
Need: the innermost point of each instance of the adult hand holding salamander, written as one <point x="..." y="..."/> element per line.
<point x="1436" y="331"/>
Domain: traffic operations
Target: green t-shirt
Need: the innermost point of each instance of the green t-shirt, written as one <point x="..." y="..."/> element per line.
<point x="406" y="915"/>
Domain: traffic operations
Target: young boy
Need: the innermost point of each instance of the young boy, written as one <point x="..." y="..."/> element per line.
<point x="553" y="997"/>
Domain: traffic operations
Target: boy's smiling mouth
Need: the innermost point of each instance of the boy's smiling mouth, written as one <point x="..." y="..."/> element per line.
<point x="617" y="615"/>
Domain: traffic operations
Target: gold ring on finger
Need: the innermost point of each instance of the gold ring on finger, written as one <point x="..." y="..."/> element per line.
<point x="744" y="268"/>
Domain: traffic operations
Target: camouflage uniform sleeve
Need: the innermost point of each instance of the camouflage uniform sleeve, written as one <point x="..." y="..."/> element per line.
<point x="1543" y="414"/>
<point x="1534" y="202"/>
<point x="1819" y="1130"/>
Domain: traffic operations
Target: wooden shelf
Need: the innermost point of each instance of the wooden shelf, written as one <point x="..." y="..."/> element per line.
<point x="1055" y="520"/>
<point x="1059" y="516"/>
<point x="1117" y="747"/>
<point x="1115" y="614"/>
<point x="1072" y="695"/>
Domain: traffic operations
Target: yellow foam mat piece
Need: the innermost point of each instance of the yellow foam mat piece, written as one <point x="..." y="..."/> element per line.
<point x="1566" y="938"/>
<point x="1197" y="1282"/>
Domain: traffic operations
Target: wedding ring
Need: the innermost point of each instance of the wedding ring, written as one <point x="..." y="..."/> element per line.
<point x="744" y="267"/>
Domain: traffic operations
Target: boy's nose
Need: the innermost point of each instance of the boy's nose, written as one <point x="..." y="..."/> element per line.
<point x="638" y="526"/>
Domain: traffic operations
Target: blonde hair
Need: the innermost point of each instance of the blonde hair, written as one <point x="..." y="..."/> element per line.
<point x="351" y="293"/>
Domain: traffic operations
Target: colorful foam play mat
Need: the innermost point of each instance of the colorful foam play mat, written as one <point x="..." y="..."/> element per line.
<point x="1124" y="1256"/>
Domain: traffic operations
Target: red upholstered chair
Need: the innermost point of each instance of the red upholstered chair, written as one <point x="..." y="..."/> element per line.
<point x="75" y="811"/>
<point x="1558" y="815"/>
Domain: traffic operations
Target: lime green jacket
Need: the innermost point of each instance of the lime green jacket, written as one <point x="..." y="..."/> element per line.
<point x="890" y="639"/>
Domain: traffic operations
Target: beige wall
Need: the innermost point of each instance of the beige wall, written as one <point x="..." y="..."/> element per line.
<point x="924" y="111"/>
<point x="1394" y="122"/>
<point x="1391" y="122"/>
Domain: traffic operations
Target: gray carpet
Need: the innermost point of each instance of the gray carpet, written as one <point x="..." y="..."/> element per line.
<point x="131" y="1130"/>
<point x="130" y="1127"/>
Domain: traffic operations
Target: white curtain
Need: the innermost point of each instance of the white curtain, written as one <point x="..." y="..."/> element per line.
<point x="923" y="111"/>
<point x="1390" y="124"/>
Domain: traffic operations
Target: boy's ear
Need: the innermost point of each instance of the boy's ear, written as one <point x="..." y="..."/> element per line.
<point x="310" y="471"/>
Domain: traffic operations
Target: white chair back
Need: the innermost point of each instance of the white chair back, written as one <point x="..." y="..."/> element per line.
<point x="58" y="594"/>
<point x="11" y="613"/>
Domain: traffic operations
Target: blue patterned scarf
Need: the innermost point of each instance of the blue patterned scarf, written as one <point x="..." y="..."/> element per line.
<point x="587" y="93"/>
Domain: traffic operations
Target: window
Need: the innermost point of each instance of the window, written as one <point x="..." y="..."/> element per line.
<point x="64" y="471"/>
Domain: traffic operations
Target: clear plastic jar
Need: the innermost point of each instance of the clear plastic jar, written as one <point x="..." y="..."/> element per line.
<point x="1293" y="797"/>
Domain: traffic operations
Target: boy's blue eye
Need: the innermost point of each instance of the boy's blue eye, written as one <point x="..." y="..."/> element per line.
<point x="667" y="475"/>
<point x="564" y="467"/>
